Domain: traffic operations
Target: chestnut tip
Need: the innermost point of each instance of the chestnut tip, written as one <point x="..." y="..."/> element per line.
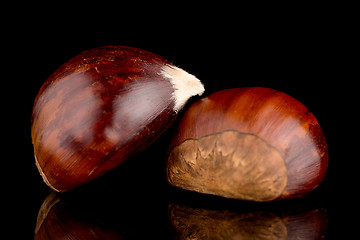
<point x="185" y="85"/>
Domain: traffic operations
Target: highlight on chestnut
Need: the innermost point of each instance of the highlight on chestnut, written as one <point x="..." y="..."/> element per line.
<point x="252" y="143"/>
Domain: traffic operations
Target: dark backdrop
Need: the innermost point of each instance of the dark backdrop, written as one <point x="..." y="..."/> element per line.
<point x="296" y="54"/>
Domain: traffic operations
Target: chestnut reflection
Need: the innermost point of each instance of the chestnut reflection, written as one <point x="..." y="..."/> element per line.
<point x="99" y="215"/>
<point x="58" y="220"/>
<point x="197" y="223"/>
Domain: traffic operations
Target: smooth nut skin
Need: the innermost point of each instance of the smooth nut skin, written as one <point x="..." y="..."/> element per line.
<point x="100" y="108"/>
<point x="282" y="124"/>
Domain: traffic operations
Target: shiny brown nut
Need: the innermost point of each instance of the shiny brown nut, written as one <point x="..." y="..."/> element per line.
<point x="253" y="144"/>
<point x="102" y="107"/>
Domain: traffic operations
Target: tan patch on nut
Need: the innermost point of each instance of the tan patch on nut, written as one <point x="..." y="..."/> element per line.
<point x="228" y="164"/>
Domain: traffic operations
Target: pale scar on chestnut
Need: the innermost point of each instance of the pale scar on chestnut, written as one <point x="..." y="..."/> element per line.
<point x="230" y="164"/>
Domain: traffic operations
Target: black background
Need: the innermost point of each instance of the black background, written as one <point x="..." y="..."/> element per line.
<point x="297" y="52"/>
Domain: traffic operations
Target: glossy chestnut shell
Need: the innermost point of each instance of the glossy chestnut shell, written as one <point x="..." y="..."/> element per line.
<point x="248" y="143"/>
<point x="102" y="107"/>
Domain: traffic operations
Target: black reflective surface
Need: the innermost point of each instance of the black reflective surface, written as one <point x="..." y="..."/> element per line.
<point x="123" y="217"/>
<point x="134" y="201"/>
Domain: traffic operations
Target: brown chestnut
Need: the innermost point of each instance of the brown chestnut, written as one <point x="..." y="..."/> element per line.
<point x="100" y="108"/>
<point x="252" y="143"/>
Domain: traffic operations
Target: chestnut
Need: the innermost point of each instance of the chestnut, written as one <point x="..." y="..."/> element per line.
<point x="251" y="143"/>
<point x="102" y="107"/>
